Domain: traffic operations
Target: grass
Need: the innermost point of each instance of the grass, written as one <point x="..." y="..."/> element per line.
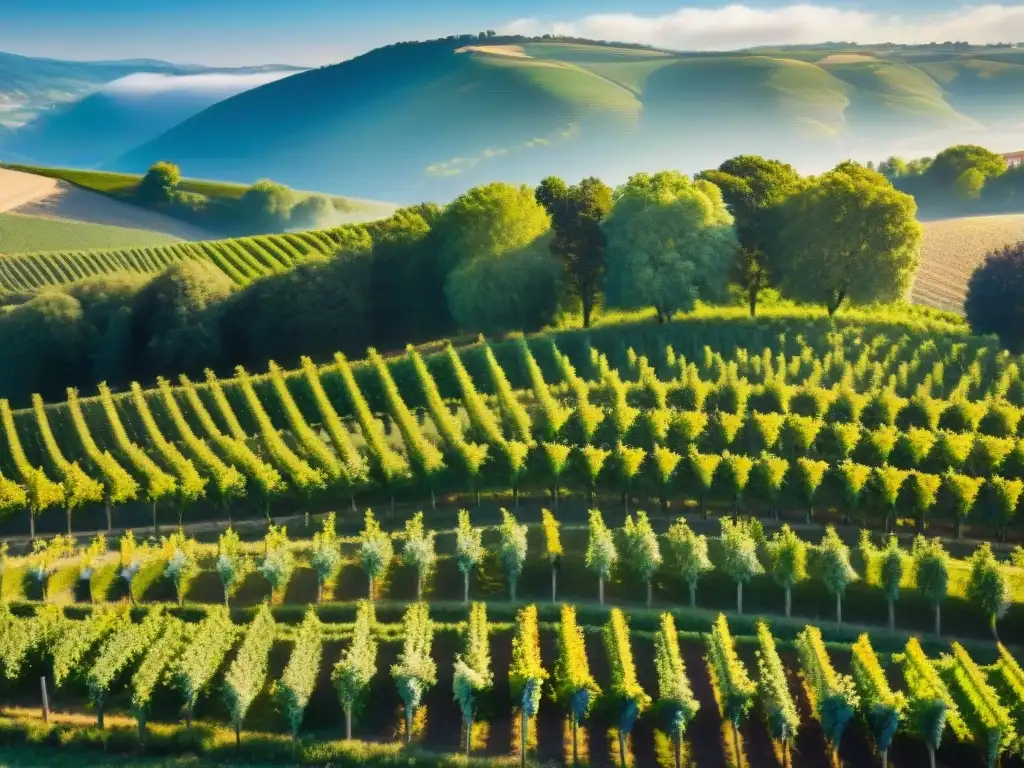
<point x="952" y="249"/>
<point x="26" y="234"/>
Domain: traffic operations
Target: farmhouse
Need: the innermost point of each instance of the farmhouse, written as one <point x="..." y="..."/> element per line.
<point x="1013" y="159"/>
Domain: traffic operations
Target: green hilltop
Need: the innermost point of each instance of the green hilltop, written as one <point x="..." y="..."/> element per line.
<point x="416" y="121"/>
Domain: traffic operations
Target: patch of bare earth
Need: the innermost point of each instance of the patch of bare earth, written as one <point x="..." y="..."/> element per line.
<point x="846" y="58"/>
<point x="496" y="50"/>
<point x="953" y="249"/>
<point x="33" y="195"/>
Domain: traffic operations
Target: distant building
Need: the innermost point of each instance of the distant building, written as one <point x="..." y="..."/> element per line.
<point x="1013" y="159"/>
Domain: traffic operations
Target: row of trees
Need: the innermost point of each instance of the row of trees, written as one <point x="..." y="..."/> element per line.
<point x="498" y="258"/>
<point x="963" y="179"/>
<point x="266" y="206"/>
<point x="742" y="552"/>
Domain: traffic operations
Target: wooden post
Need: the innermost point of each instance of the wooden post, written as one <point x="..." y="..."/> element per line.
<point x="46" y="701"/>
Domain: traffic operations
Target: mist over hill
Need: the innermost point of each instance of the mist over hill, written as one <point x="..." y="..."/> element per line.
<point x="123" y="114"/>
<point x="417" y="121"/>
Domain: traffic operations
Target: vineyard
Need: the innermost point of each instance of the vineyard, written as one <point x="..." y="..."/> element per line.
<point x="850" y="423"/>
<point x="242" y="259"/>
<point x="537" y="686"/>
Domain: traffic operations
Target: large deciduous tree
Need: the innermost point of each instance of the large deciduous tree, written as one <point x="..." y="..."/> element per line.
<point x="671" y="242"/>
<point x="579" y="241"/>
<point x="493" y="251"/>
<point x="754" y="188"/>
<point x="849" y="235"/>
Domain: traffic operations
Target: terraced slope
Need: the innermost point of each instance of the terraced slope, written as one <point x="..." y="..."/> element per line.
<point x="242" y="259"/>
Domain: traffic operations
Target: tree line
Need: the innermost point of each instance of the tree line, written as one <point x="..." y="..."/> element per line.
<point x="962" y="180"/>
<point x="264" y="207"/>
<point x="498" y="258"/>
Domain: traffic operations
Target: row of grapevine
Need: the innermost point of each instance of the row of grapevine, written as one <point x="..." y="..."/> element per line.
<point x="979" y="704"/>
<point x="248" y="672"/>
<point x="773" y="691"/>
<point x="42" y="492"/>
<point x="158" y="484"/>
<point x="389" y="466"/>
<point x="127" y="642"/>
<point x="416" y="670"/>
<point x="834" y="698"/>
<point x="190" y="486"/>
<point x="310" y="443"/>
<point x="300" y="474"/>
<point x="469" y="455"/>
<point x="472" y="677"/>
<point x="242" y="259"/>
<point x="226" y="479"/>
<point x="424" y="457"/>
<point x="233" y="448"/>
<point x="987" y="720"/>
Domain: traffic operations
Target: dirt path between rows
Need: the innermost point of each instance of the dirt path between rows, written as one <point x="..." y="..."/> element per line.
<point x="32" y="195"/>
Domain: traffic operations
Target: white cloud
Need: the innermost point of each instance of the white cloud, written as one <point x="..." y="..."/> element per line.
<point x="217" y="82"/>
<point x="740" y="26"/>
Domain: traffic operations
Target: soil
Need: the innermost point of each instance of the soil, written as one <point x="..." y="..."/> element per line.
<point x="32" y="195"/>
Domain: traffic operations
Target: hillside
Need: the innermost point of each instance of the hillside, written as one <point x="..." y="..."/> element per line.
<point x="952" y="249"/>
<point x="122" y="115"/>
<point x="122" y="186"/>
<point x="241" y="259"/>
<point x="30" y="86"/>
<point x="46" y="205"/>
<point x="21" y="234"/>
<point x="426" y="120"/>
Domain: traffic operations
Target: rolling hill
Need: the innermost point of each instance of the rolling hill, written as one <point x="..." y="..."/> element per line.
<point x="31" y="86"/>
<point x="123" y="114"/>
<point x="418" y="121"/>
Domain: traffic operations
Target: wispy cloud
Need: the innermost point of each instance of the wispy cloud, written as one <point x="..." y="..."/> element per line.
<point x="457" y="165"/>
<point x="739" y="26"/>
<point x="151" y="83"/>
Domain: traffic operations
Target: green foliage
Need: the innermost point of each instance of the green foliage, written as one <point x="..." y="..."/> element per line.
<point x="472" y="675"/>
<point x="296" y="685"/>
<point x="987" y="585"/>
<point x="676" y="701"/>
<point x="601" y="552"/>
<point x="688" y="554"/>
<point x="358" y="663"/>
<point x="670" y="243"/>
<point x="882" y="709"/>
<point x="526" y="671"/>
<point x="787" y="558"/>
<point x="574" y="686"/>
<point x="625" y="692"/>
<point x="833" y="558"/>
<point x="418" y="550"/>
<point x="511" y="549"/>
<point x="245" y="677"/>
<point x="735" y="690"/>
<point x="931" y="568"/>
<point x="865" y="245"/>
<point x="375" y="549"/>
<point x="739" y="551"/>
<point x="160" y="183"/>
<point x="773" y="689"/>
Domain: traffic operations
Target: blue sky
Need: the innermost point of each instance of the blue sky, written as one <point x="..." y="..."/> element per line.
<point x="314" y="32"/>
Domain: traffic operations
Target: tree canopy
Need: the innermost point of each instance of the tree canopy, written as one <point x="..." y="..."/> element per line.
<point x="579" y="241"/>
<point x="995" y="296"/>
<point x="849" y="235"/>
<point x="670" y="243"/>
